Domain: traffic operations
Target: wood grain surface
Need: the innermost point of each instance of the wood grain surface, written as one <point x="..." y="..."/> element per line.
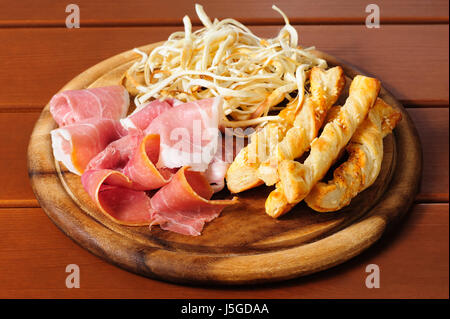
<point x="43" y="60"/>
<point x="42" y="57"/>
<point x="40" y="262"/>
<point x="170" y="12"/>
<point x="233" y="249"/>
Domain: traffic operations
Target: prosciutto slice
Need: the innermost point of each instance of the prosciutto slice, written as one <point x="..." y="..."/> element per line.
<point x="134" y="156"/>
<point x="184" y="206"/>
<point x="113" y="193"/>
<point x="110" y="102"/>
<point x="116" y="179"/>
<point x="215" y="174"/>
<point x="75" y="145"/>
<point x="117" y="154"/>
<point x="228" y="147"/>
<point x="141" y="118"/>
<point x="168" y="146"/>
<point x="188" y="134"/>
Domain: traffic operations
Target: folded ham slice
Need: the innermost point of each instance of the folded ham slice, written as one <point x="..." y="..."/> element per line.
<point x="75" y="145"/>
<point x="116" y="179"/>
<point x="142" y="117"/>
<point x="113" y="193"/>
<point x="163" y="145"/>
<point x="215" y="174"/>
<point x="184" y="206"/>
<point x="188" y="134"/>
<point x="110" y="102"/>
<point x="134" y="156"/>
<point x="227" y="148"/>
<point x="117" y="154"/>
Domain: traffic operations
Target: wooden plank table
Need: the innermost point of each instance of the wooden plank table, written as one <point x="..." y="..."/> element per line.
<point x="38" y="55"/>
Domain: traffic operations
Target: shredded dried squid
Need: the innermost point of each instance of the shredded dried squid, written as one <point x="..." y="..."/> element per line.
<point x="225" y="58"/>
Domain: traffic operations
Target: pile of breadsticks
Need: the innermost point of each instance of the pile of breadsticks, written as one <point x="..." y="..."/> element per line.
<point x="326" y="131"/>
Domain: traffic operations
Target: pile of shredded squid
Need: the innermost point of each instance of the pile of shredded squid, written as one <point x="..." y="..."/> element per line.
<point x="224" y="58"/>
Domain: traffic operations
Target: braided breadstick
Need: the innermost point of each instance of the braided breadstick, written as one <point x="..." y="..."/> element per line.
<point x="363" y="165"/>
<point x="243" y="172"/>
<point x="277" y="201"/>
<point x="297" y="180"/>
<point x="307" y="123"/>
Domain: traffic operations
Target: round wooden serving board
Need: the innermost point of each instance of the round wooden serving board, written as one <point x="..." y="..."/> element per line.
<point x="243" y="245"/>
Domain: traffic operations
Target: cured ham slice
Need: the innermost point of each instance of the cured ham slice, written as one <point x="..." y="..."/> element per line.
<point x="141" y="118"/>
<point x="215" y="174"/>
<point x="184" y="206"/>
<point x="112" y="192"/>
<point x="227" y="149"/>
<point x="75" y="145"/>
<point x="134" y="156"/>
<point x="188" y="134"/>
<point x="120" y="159"/>
<point x="117" y="154"/>
<point x="110" y="102"/>
<point x="141" y="169"/>
<point x="116" y="179"/>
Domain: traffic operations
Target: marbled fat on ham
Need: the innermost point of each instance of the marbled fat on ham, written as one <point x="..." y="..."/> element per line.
<point x="110" y="102"/>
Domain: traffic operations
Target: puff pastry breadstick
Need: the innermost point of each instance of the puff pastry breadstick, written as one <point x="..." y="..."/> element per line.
<point x="242" y="173"/>
<point x="277" y="201"/>
<point x="325" y="88"/>
<point x="297" y="180"/>
<point x="363" y="165"/>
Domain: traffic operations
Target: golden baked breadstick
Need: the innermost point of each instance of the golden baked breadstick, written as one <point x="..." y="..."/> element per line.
<point x="363" y="165"/>
<point x="277" y="202"/>
<point x="307" y="122"/>
<point x="297" y="179"/>
<point x="325" y="89"/>
<point x="242" y="173"/>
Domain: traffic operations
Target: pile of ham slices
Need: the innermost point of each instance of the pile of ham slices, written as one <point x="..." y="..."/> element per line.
<point x="156" y="148"/>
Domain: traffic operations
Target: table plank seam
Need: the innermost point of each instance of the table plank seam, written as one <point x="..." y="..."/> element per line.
<point x="133" y="24"/>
